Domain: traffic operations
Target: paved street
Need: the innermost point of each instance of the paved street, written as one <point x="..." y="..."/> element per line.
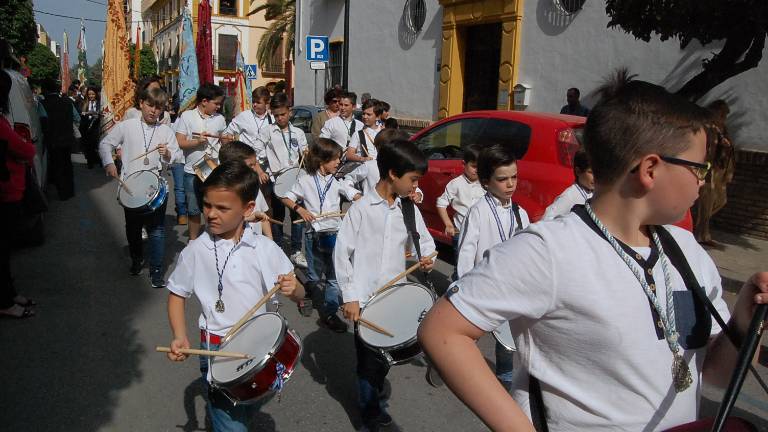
<point x="87" y="361"/>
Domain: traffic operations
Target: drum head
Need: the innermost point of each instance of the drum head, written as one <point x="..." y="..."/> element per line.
<point x="398" y="310"/>
<point x="144" y="186"/>
<point x="504" y="335"/>
<point x="259" y="337"/>
<point x="285" y="180"/>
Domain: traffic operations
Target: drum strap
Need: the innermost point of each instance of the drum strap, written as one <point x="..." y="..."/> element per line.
<point x="363" y="143"/>
<point x="409" y="218"/>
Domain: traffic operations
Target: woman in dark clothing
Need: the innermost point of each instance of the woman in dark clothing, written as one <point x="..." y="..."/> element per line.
<point x="15" y="154"/>
<point x="89" y="126"/>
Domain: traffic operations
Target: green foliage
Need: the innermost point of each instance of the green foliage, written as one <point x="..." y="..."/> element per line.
<point x="741" y="24"/>
<point x="43" y="63"/>
<point x="282" y="14"/>
<point x="94" y="73"/>
<point x="17" y="25"/>
<point x="147" y="62"/>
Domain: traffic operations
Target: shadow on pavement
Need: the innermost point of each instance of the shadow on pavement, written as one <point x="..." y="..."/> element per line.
<point x="709" y="408"/>
<point x="66" y="367"/>
<point x="330" y="359"/>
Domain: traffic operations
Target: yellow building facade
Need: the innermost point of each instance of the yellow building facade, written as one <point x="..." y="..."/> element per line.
<point x="468" y="27"/>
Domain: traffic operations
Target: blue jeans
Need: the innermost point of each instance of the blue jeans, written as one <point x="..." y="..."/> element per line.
<point x="193" y="195"/>
<point x="371" y="370"/>
<point x="455" y="244"/>
<point x="278" y="212"/>
<point x="224" y="416"/>
<point x="177" y="170"/>
<point x="155" y="224"/>
<point x="319" y="252"/>
<point x="504" y="363"/>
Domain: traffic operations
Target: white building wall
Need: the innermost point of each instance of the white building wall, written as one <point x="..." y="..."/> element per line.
<point x="386" y="60"/>
<point x="558" y="52"/>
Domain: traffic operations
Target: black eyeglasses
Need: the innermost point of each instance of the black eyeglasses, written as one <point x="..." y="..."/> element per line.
<point x="700" y="170"/>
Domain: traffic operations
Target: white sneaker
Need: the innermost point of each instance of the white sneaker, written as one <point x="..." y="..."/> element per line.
<point x="144" y="234"/>
<point x="299" y="259"/>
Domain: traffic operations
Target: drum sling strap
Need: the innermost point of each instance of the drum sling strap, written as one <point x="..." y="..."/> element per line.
<point x="518" y="220"/>
<point x="678" y="260"/>
<point x="363" y="142"/>
<point x="409" y="218"/>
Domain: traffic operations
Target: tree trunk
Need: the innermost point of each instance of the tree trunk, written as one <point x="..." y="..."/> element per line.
<point x="742" y="51"/>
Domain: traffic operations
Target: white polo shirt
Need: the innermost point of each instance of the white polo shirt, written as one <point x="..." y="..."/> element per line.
<point x="370" y="247"/>
<point x="137" y="137"/>
<point x="248" y="125"/>
<point x="480" y="231"/>
<point x="584" y="326"/>
<point x="281" y="148"/>
<point x="369" y="134"/>
<point x="571" y="196"/>
<point x="460" y="194"/>
<point x="252" y="270"/>
<point x="193" y="121"/>
<point x="309" y="188"/>
<point x="338" y="129"/>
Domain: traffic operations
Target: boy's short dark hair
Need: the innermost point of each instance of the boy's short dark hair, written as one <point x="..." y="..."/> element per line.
<point x="384" y="105"/>
<point x="391" y="123"/>
<point x="279" y="100"/>
<point x="471" y="153"/>
<point x="208" y="92"/>
<point x="330" y="95"/>
<point x="633" y="119"/>
<point x="492" y="157"/>
<point x="261" y="94"/>
<point x="154" y="98"/>
<point x="235" y="151"/>
<point x="388" y="135"/>
<point x="235" y="176"/>
<point x="373" y="103"/>
<point x="580" y="162"/>
<point x="349" y="95"/>
<point x="400" y="156"/>
<point x="322" y="151"/>
<point x="575" y="90"/>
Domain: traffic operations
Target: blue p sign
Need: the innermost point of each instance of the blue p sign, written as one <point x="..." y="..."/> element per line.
<point x="317" y="48"/>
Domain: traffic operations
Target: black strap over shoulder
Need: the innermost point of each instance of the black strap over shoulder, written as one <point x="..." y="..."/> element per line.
<point x="409" y="218"/>
<point x="352" y="127"/>
<point x="269" y="118"/>
<point x="518" y="220"/>
<point x="363" y="143"/>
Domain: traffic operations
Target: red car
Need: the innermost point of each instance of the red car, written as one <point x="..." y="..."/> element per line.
<point x="545" y="144"/>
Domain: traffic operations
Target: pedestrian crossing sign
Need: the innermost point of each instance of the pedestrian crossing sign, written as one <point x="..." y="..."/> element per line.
<point x="251" y="71"/>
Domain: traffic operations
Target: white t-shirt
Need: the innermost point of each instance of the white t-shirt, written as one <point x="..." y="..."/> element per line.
<point x="281" y="148"/>
<point x="251" y="271"/>
<point x="337" y="129"/>
<point x="309" y="187"/>
<point x="248" y="125"/>
<point x="136" y="137"/>
<point x="192" y="121"/>
<point x="571" y="196"/>
<point x="460" y="194"/>
<point x="480" y="231"/>
<point x="584" y="326"/>
<point x="370" y="135"/>
<point x="370" y="246"/>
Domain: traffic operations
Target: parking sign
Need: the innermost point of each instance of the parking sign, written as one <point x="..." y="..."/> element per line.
<point x="317" y="49"/>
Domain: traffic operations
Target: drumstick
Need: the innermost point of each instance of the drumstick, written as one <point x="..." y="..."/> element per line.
<point x="206" y="135"/>
<point x="146" y="153"/>
<point x="745" y="356"/>
<point x="252" y="311"/>
<point x="323" y="216"/>
<point x="125" y="186"/>
<point x="374" y="327"/>
<point x="204" y="352"/>
<point x="410" y="270"/>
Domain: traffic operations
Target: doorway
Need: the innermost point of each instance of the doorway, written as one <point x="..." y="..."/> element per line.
<point x="482" y="57"/>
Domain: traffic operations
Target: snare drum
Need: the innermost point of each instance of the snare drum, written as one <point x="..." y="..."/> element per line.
<point x="503" y="335"/>
<point x="346" y="168"/>
<point x="204" y="167"/>
<point x="148" y="192"/>
<point x="285" y="179"/>
<point x="275" y="351"/>
<point x="399" y="310"/>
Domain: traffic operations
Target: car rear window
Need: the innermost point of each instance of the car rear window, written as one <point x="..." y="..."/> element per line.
<point x="507" y="132"/>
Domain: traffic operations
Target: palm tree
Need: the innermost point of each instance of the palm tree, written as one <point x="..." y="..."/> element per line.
<point x="282" y="14"/>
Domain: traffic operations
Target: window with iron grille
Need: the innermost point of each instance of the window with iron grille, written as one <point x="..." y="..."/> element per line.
<point x="228" y="7"/>
<point x="276" y="62"/>
<point x="227" y="53"/>
<point x="335" y="65"/>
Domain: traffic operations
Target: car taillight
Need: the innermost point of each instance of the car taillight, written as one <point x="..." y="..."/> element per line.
<point x="23" y="130"/>
<point x="567" y="145"/>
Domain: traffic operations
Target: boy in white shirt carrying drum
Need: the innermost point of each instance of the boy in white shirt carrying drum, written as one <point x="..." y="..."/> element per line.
<point x="342" y="127"/>
<point x="146" y="145"/>
<point x="361" y="146"/>
<point x="607" y="305"/>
